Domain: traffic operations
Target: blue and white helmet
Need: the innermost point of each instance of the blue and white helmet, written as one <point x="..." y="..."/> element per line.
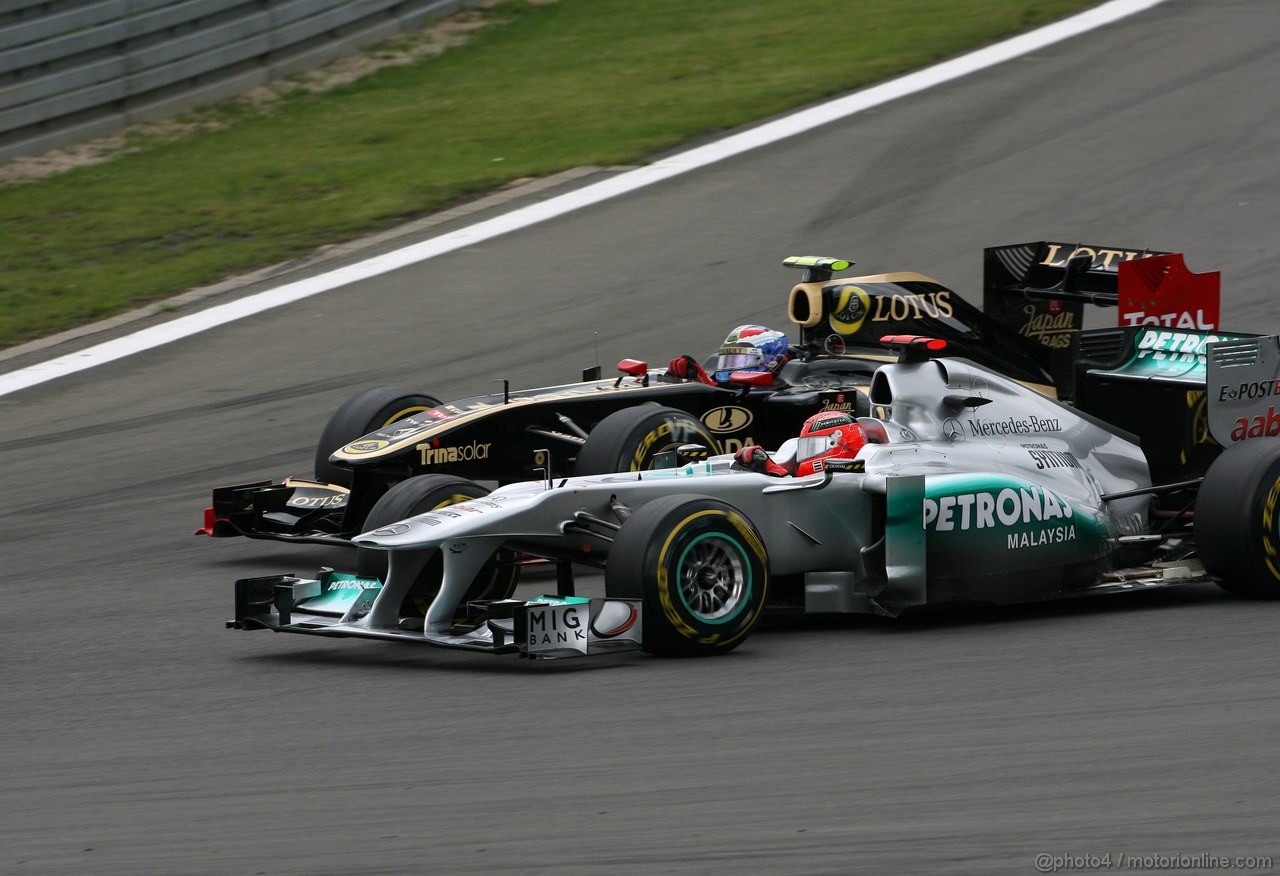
<point x="750" y="348"/>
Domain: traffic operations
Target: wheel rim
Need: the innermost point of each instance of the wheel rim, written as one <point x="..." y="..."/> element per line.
<point x="714" y="578"/>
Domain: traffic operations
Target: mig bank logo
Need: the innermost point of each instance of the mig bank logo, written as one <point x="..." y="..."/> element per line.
<point x="558" y="627"/>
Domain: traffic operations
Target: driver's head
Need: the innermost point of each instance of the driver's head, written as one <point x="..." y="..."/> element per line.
<point x="829" y="435"/>
<point x="750" y="348"/>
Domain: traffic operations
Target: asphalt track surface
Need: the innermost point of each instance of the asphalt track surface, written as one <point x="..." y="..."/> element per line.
<point x="139" y="736"/>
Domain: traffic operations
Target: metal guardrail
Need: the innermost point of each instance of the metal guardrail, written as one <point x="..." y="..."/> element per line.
<point x="71" y="70"/>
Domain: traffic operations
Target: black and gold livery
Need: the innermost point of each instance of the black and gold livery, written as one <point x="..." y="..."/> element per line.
<point x="598" y="425"/>
<point x="1038" y="290"/>
<point x="615" y="424"/>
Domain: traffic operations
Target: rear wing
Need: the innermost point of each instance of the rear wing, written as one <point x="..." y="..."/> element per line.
<point x="1244" y="389"/>
<point x="1039" y="291"/>
<point x="835" y="314"/>
<point x="1152" y="381"/>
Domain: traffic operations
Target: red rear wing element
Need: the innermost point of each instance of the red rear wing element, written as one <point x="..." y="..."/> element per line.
<point x="1160" y="290"/>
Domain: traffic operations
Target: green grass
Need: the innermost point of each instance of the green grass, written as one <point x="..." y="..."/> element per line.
<point x="543" y="88"/>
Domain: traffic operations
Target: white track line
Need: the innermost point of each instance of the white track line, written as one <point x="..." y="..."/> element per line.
<point x="524" y="217"/>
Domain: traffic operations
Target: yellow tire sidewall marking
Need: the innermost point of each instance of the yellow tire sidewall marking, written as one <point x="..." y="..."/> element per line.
<point x="664" y="580"/>
<point x="1268" y="528"/>
<point x="400" y="415"/>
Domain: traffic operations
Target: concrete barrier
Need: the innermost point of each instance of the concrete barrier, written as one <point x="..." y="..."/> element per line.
<point x="71" y="70"/>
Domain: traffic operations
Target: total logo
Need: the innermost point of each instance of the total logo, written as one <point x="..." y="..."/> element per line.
<point x="985" y="510"/>
<point x="441" y="455"/>
<point x="1182" y="320"/>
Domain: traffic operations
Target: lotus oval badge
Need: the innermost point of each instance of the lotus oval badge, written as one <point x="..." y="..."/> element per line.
<point x="730" y="418"/>
<point x="852" y="305"/>
<point x="393" y="529"/>
<point x="364" y="446"/>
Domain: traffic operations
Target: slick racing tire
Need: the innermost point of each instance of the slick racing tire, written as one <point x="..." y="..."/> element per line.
<point x="496" y="579"/>
<point x="701" y="570"/>
<point x="1238" y="519"/>
<point x="359" y="415"/>
<point x="628" y="440"/>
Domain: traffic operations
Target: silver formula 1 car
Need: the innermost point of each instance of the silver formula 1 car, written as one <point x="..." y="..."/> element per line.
<point x="972" y="489"/>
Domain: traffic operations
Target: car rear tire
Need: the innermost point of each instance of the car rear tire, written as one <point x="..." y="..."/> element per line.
<point x="628" y="440"/>
<point x="1237" y="524"/>
<point x="359" y="415"/>
<point x="496" y="579"/>
<point x="701" y="570"/>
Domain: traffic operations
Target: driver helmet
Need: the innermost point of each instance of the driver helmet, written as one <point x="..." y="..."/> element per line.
<point x="750" y="348"/>
<point x="829" y="435"/>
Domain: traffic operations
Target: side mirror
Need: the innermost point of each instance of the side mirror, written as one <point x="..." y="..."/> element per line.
<point x="752" y="378"/>
<point x="634" y="367"/>
<point x="687" y="453"/>
<point x="682" y="455"/>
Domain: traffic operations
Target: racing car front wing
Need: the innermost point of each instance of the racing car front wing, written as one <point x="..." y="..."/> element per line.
<point x="340" y="605"/>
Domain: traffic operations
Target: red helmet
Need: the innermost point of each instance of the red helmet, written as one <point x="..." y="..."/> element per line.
<point x="829" y="435"/>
